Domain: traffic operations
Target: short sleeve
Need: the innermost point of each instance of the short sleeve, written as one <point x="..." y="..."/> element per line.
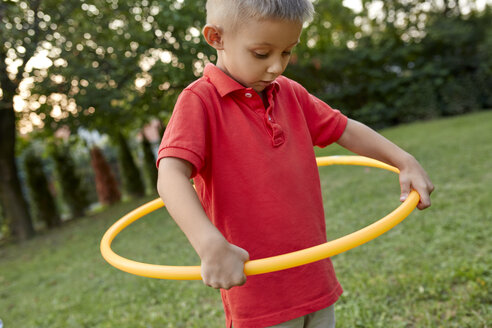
<point x="326" y="125"/>
<point x="186" y="134"/>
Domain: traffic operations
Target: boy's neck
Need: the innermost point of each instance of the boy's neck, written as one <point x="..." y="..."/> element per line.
<point x="262" y="94"/>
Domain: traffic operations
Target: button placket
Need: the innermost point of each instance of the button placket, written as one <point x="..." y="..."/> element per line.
<point x="273" y="129"/>
<point x="277" y="133"/>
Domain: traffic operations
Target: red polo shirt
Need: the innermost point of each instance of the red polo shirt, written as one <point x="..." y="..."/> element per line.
<point x="256" y="177"/>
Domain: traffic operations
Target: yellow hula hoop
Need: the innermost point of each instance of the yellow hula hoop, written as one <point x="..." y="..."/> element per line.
<point x="269" y="264"/>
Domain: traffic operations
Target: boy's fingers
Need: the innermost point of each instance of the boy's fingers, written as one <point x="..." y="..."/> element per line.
<point x="424" y="203"/>
<point x="242" y="253"/>
<point x="245" y="256"/>
<point x="425" y="200"/>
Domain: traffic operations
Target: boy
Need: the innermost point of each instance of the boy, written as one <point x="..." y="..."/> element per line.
<point x="246" y="135"/>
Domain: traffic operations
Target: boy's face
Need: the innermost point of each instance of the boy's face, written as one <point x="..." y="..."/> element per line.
<point x="258" y="52"/>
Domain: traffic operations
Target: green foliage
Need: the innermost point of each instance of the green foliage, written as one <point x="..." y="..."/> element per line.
<point x="68" y="178"/>
<point x="414" y="60"/>
<point x="386" y="72"/>
<point x="149" y="164"/>
<point x="106" y="47"/>
<point x="42" y="200"/>
<point x="132" y="181"/>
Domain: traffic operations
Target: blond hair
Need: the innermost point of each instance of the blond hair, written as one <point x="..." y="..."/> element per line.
<point x="232" y="13"/>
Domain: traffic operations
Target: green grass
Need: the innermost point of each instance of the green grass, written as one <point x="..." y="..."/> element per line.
<point x="432" y="270"/>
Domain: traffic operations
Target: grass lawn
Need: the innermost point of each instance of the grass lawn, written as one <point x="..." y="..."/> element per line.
<point x="432" y="270"/>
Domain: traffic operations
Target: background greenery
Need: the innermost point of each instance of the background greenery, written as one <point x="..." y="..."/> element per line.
<point x="113" y="66"/>
<point x="432" y="270"/>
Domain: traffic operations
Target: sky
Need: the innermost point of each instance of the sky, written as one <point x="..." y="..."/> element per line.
<point x="355" y="5"/>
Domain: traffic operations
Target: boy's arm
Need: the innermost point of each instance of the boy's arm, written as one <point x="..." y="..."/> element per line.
<point x="364" y="141"/>
<point x="222" y="263"/>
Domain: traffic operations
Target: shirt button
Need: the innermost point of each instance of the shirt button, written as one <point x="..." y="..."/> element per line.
<point x="248" y="95"/>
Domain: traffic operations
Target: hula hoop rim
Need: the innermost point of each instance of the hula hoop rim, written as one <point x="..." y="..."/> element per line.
<point x="270" y="264"/>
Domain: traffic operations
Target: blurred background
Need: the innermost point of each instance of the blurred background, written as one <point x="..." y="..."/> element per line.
<point x="87" y="86"/>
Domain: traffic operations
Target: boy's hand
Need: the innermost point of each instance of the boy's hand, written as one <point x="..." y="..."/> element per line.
<point x="413" y="176"/>
<point x="223" y="266"/>
<point x="364" y="141"/>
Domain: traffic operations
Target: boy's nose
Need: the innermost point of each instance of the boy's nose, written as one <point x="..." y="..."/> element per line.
<point x="275" y="67"/>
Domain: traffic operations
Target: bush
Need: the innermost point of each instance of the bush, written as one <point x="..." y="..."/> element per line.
<point x="149" y="163"/>
<point x="106" y="184"/>
<point x="42" y="200"/>
<point x="69" y="179"/>
<point x="389" y="78"/>
<point x="132" y="181"/>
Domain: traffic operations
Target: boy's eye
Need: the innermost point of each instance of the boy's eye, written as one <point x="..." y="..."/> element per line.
<point x="260" y="55"/>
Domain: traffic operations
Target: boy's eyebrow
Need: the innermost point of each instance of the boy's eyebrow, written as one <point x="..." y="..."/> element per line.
<point x="270" y="45"/>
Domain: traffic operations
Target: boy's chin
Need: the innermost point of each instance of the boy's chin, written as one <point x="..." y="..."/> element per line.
<point x="259" y="87"/>
<point x="258" y="90"/>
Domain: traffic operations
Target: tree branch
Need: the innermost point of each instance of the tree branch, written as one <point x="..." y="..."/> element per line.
<point x="8" y="86"/>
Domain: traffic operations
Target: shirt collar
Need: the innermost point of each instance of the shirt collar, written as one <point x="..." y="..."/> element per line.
<point x="226" y="84"/>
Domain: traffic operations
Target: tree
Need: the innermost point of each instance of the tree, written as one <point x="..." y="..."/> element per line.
<point x="97" y="51"/>
<point x="21" y="31"/>
<point x="408" y="60"/>
<point x="119" y="65"/>
<point x="114" y="65"/>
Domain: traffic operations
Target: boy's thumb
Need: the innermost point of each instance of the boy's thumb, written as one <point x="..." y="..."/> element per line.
<point x="405" y="190"/>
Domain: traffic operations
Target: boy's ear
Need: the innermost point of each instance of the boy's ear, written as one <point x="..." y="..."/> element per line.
<point x="213" y="36"/>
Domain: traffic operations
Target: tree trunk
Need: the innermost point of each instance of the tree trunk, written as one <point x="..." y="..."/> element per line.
<point x="13" y="201"/>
